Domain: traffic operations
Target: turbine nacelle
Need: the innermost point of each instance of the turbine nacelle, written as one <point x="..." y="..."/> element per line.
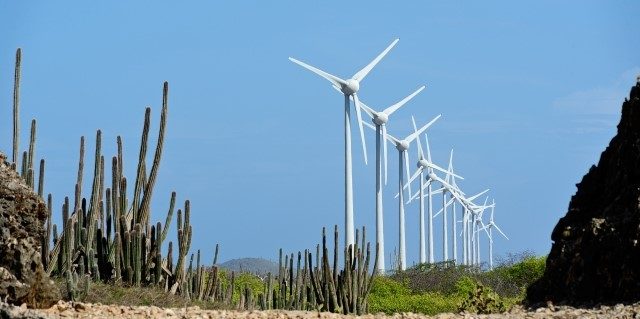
<point x="423" y="163"/>
<point x="433" y="176"/>
<point x="380" y="118"/>
<point x="352" y="86"/>
<point x="402" y="145"/>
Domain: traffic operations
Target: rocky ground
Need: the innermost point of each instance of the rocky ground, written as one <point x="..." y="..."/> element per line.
<point x="83" y="310"/>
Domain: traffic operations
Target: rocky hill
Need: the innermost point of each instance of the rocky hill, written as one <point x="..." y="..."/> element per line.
<point x="595" y="257"/>
<point x="251" y="265"/>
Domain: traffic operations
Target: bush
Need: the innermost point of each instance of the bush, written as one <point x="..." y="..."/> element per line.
<point x="428" y="303"/>
<point x="512" y="279"/>
<point x="482" y="300"/>
<point x="392" y="296"/>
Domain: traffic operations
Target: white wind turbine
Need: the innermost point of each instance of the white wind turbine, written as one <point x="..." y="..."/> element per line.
<point x="380" y="120"/>
<point x="349" y="88"/>
<point x="403" y="159"/>
<point x="424" y="163"/>
<point x="478" y="226"/>
<point x="490" y="226"/>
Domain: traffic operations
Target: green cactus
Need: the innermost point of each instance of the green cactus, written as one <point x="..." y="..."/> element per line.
<point x="16" y="106"/>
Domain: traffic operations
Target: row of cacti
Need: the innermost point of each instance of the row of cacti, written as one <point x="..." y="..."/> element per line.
<point x="108" y="237"/>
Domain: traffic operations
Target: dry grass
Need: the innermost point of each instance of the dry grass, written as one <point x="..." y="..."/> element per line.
<point x="118" y="294"/>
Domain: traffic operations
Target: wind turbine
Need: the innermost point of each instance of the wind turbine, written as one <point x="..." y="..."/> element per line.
<point x="490" y="226"/>
<point x="403" y="159"/>
<point x="349" y="88"/>
<point x="380" y="120"/>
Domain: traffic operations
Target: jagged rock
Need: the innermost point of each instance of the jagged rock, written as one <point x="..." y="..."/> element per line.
<point x="595" y="257"/>
<point x="22" y="216"/>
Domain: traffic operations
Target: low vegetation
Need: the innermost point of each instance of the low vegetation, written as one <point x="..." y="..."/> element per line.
<point x="436" y="288"/>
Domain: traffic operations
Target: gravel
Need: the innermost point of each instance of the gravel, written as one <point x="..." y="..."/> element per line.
<point x="85" y="310"/>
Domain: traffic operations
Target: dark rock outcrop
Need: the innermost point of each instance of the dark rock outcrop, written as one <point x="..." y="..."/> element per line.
<point x="22" y="216"/>
<point x="595" y="257"/>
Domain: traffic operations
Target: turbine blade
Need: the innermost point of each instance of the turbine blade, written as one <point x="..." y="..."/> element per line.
<point x="426" y="139"/>
<point x="414" y="135"/>
<point x="434" y="166"/>
<point x="391" y="109"/>
<point x="449" y="168"/>
<point x="484" y="227"/>
<point x="406" y="164"/>
<point x="369" y="125"/>
<point x="438" y="213"/>
<point x="415" y="128"/>
<point x="384" y="147"/>
<point x="478" y="195"/>
<point x="360" y="75"/>
<point x="414" y="176"/>
<point x="359" y="115"/>
<point x="394" y="140"/>
<point x="367" y="109"/>
<point x="338" y="82"/>
<point x="500" y="230"/>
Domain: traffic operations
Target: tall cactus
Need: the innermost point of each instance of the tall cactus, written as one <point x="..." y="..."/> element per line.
<point x="148" y="189"/>
<point x="16" y="106"/>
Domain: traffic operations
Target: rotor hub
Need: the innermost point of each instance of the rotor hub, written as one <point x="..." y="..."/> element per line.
<point x="381" y="118"/>
<point x="402" y="146"/>
<point x="432" y="176"/>
<point x="352" y="86"/>
<point x="423" y="163"/>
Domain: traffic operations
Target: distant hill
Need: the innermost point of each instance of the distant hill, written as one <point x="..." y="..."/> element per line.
<point x="251" y="265"/>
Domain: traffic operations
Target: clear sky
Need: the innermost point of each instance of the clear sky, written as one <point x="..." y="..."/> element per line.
<point x="530" y="93"/>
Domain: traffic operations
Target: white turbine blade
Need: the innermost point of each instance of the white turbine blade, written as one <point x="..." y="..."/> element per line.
<point x="406" y="164"/>
<point x="359" y="114"/>
<point x="500" y="230"/>
<point x="391" y="109"/>
<point x="413" y="177"/>
<point x="449" y="168"/>
<point x="438" y="213"/>
<point x="360" y="75"/>
<point x="367" y="109"/>
<point x="441" y="209"/>
<point x="426" y="139"/>
<point x="394" y="140"/>
<point x="415" y="128"/>
<point x="369" y="125"/>
<point x="416" y="134"/>
<point x="478" y="195"/>
<point x="338" y="82"/>
<point x="484" y="227"/>
<point x="384" y="147"/>
<point x="443" y="170"/>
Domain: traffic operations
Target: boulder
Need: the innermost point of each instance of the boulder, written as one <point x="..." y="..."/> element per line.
<point x="22" y="216"/>
<point x="595" y="256"/>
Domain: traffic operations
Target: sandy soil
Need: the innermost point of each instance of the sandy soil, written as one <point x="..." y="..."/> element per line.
<point x="83" y="310"/>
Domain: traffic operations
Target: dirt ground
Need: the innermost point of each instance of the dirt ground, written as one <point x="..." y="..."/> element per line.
<point x="84" y="310"/>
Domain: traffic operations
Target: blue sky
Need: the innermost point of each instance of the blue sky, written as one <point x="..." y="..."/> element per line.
<point x="529" y="91"/>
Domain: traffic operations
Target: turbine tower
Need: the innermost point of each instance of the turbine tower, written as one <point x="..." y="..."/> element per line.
<point x="380" y="120"/>
<point x="349" y="88"/>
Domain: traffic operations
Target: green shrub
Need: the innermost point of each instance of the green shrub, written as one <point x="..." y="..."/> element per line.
<point x="427" y="303"/>
<point x="387" y="287"/>
<point x="513" y="279"/>
<point x="482" y="300"/>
